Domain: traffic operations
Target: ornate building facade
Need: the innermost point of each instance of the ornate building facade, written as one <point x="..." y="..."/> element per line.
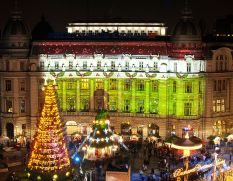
<point x="151" y="83"/>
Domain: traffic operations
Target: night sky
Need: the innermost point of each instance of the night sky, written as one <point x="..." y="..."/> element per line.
<point x="61" y="12"/>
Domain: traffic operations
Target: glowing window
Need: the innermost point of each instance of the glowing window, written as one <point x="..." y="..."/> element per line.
<point x="127" y="85"/>
<point x="70" y="104"/>
<point x="84" y="84"/>
<point x="22" y="106"/>
<point x="155" y="85"/>
<point x="99" y="84"/>
<point x="113" y="84"/>
<point x="70" y="84"/>
<point x="188" y="109"/>
<point x="140" y="85"/>
<point x="126" y="105"/>
<point x="188" y="87"/>
<point x="9" y="106"/>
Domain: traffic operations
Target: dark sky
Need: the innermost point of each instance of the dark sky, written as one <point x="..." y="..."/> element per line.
<point x="61" y="12"/>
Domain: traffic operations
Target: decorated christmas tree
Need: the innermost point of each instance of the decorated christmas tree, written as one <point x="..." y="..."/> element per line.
<point x="49" y="156"/>
<point x="100" y="142"/>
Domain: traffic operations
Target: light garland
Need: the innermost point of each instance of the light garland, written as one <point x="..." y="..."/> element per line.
<point x="49" y="151"/>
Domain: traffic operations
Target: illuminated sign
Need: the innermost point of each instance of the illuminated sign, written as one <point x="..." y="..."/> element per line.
<point x="181" y="172"/>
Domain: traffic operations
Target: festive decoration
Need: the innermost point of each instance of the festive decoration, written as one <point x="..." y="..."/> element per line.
<point x="101" y="142"/>
<point x="57" y="75"/>
<point x="186" y="145"/>
<point x="49" y="151"/>
<point x="84" y="74"/>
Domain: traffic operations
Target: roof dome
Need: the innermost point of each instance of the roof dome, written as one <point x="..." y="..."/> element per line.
<point x="185" y="28"/>
<point x="15" y="26"/>
<point x="41" y="30"/>
<point x="186" y="25"/>
<point x="16" y="34"/>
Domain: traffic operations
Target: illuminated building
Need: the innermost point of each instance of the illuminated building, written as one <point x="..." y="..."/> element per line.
<point x="150" y="82"/>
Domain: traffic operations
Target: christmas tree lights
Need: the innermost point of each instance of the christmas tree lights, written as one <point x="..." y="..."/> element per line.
<point x="100" y="143"/>
<point x="49" y="153"/>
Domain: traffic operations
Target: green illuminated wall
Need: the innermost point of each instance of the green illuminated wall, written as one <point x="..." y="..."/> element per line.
<point x="166" y="100"/>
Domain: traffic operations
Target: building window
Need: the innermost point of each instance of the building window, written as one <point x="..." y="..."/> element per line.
<point x="113" y="105"/>
<point x="99" y="65"/>
<point x="127" y="65"/>
<point x="8" y="85"/>
<point x="22" y="66"/>
<point x="155" y="67"/>
<point x="140" y="106"/>
<point x="222" y="105"/>
<point x="127" y="85"/>
<point x="56" y="65"/>
<point x="113" y="65"/>
<point x="188" y="109"/>
<point x="188" y="67"/>
<point x="70" y="84"/>
<point x="219" y="105"/>
<point x="140" y="85"/>
<point x="113" y="84"/>
<point x="84" y="64"/>
<point x="127" y="105"/>
<point x="174" y="86"/>
<point x="219" y="85"/>
<point x="154" y="106"/>
<point x="99" y="84"/>
<point x="22" y="106"/>
<point x="70" y="65"/>
<point x="70" y="104"/>
<point x="9" y="106"/>
<point x="84" y="84"/>
<point x="214" y="106"/>
<point x="219" y="127"/>
<point x="140" y="65"/>
<point x="22" y="86"/>
<point x="42" y="65"/>
<point x="223" y="85"/>
<point x="175" y="67"/>
<point x="188" y="87"/>
<point x="84" y="105"/>
<point x="215" y="85"/>
<point x="155" y="85"/>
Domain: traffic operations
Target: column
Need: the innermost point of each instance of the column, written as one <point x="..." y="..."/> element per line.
<point x="147" y="97"/>
<point x="163" y="104"/>
<point x="133" y="103"/>
<point x="227" y="100"/>
<point x="15" y="96"/>
<point x="106" y="95"/>
<point x="33" y="103"/>
<point x="78" y="98"/>
<point x="92" y="97"/>
<point x="64" y="106"/>
<point x="119" y="95"/>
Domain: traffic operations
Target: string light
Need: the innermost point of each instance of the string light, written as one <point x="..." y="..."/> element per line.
<point x="49" y="150"/>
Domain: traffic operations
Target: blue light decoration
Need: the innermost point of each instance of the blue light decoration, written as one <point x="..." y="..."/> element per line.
<point x="76" y="159"/>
